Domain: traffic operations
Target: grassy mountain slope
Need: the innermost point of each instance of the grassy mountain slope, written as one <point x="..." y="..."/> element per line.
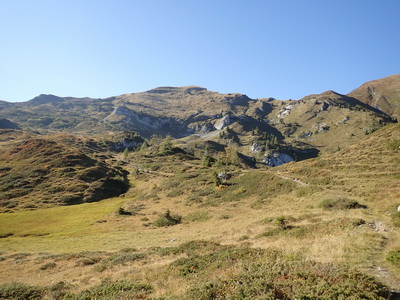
<point x="331" y="213"/>
<point x="204" y="217"/>
<point x="41" y="171"/>
<point x="327" y="121"/>
<point x="316" y="120"/>
<point x="383" y="94"/>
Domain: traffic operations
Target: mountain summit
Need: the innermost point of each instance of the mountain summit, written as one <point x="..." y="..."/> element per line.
<point x="383" y="94"/>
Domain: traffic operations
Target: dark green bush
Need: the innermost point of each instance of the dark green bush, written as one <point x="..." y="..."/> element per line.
<point x="167" y="220"/>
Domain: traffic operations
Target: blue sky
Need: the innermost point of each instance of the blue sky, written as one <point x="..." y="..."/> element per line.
<point x="283" y="48"/>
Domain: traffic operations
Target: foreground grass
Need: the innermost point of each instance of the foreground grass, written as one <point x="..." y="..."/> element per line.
<point x="197" y="270"/>
<point x="57" y="229"/>
<point x="327" y="209"/>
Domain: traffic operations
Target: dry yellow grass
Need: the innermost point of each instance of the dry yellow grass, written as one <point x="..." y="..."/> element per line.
<point x="244" y="213"/>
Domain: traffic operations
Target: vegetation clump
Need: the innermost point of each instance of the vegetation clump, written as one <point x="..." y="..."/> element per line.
<point x="18" y="291"/>
<point x="291" y="280"/>
<point x="396" y="218"/>
<point x="123" y="212"/>
<point x="115" y="290"/>
<point x="394" y="257"/>
<point x="168" y="220"/>
<point x="340" y="203"/>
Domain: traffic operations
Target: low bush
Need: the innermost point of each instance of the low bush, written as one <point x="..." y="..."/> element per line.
<point x="340" y="203"/>
<point x="49" y="265"/>
<point x="19" y="291"/>
<point x="294" y="280"/>
<point x="394" y="257"/>
<point x="167" y="220"/>
<point x="115" y="290"/>
<point x="396" y="219"/>
<point x="123" y="212"/>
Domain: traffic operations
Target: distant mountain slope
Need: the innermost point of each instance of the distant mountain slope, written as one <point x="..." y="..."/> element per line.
<point x="328" y="121"/>
<point x="383" y="94"/>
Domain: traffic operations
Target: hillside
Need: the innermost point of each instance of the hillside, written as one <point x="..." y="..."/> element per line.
<point x="262" y="129"/>
<point x="383" y="94"/>
<point x="39" y="171"/>
<point x="332" y="214"/>
<point x="184" y="193"/>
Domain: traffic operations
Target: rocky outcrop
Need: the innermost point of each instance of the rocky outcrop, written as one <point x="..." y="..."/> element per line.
<point x="277" y="159"/>
<point x="223" y="122"/>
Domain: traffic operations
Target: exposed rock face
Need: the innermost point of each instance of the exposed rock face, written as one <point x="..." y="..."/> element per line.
<point x="277" y="159"/>
<point x="127" y="143"/>
<point x="223" y="122"/>
<point x="145" y="120"/>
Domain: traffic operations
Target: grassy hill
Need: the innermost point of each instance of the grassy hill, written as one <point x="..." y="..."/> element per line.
<point x="318" y="228"/>
<point x="39" y="171"/>
<point x="382" y="94"/>
<point x="199" y="214"/>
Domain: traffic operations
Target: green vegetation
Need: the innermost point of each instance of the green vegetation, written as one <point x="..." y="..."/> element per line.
<point x="167" y="219"/>
<point x="17" y="291"/>
<point x="394" y="257"/>
<point x="214" y="271"/>
<point x="396" y="218"/>
<point x="115" y="290"/>
<point x="340" y="203"/>
<point x="309" y="229"/>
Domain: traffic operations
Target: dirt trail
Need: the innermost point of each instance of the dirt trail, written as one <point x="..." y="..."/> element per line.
<point x="296" y="180"/>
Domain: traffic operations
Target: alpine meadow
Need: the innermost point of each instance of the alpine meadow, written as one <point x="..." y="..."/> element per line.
<point x="186" y="193"/>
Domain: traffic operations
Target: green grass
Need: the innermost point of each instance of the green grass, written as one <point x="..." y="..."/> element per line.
<point x="49" y="229"/>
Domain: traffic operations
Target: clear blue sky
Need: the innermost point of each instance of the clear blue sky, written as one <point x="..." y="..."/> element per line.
<point x="262" y="48"/>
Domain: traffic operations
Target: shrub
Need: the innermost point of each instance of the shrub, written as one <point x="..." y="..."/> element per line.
<point x="395" y="145"/>
<point x="396" y="218"/>
<point x="282" y="224"/>
<point x="168" y="220"/>
<point x="49" y="265"/>
<point x="122" y="212"/>
<point x="17" y="291"/>
<point x="340" y="203"/>
<point x="394" y="257"/>
<point x="297" y="279"/>
<point x="115" y="290"/>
